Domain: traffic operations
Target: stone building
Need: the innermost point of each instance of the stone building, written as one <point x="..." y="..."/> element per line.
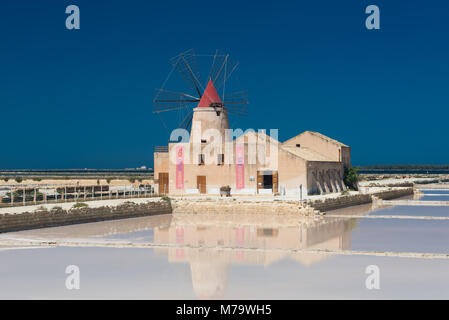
<point x="213" y="156"/>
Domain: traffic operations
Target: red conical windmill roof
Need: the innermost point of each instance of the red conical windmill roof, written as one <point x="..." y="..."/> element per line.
<point x="210" y="95"/>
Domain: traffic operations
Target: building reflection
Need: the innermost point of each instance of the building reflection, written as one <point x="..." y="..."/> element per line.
<point x="211" y="243"/>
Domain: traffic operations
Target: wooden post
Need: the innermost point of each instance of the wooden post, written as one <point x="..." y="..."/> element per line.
<point x="24" y="196"/>
<point x="34" y="198"/>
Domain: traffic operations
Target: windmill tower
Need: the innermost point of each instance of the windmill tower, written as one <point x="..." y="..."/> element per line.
<point x="206" y="107"/>
<point x="209" y="114"/>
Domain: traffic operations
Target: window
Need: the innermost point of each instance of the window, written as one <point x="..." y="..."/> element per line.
<point x="203" y="140"/>
<point x="220" y="161"/>
<point x="200" y="159"/>
<point x="298" y="145"/>
<point x="267" y="232"/>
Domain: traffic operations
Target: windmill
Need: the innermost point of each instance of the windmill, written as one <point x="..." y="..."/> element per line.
<point x="211" y="93"/>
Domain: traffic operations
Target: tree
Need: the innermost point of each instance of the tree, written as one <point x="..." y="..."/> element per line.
<point x="351" y="178"/>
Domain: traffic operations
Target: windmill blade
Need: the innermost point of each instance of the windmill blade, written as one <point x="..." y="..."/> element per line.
<point x="236" y="97"/>
<point x="242" y="112"/>
<point x="186" y="64"/>
<point x="218" y="68"/>
<point x="165" y="100"/>
<point x="187" y="122"/>
<point x="213" y="65"/>
<point x="222" y="68"/>
<point x="237" y="109"/>
<point x="237" y="103"/>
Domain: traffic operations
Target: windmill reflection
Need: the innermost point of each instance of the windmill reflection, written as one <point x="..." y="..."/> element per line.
<point x="202" y="238"/>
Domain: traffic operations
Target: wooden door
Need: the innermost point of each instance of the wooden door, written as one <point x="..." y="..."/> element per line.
<point x="163" y="182"/>
<point x="201" y="183"/>
<point x="275" y="181"/>
<point x="259" y="181"/>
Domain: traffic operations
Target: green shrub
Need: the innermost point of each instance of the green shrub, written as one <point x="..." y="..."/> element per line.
<point x="18" y="179"/>
<point x="132" y="179"/>
<point x="37" y="179"/>
<point x="165" y="198"/>
<point x="80" y="205"/>
<point x="351" y="178"/>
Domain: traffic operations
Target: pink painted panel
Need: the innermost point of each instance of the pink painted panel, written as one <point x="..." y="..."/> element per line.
<point x="179" y="167"/>
<point x="240" y="166"/>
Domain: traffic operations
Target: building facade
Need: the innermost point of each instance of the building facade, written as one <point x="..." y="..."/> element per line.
<point x="212" y="156"/>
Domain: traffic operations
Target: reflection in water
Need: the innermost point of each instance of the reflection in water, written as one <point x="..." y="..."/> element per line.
<point x="200" y="239"/>
<point x="210" y="267"/>
<point x="211" y="246"/>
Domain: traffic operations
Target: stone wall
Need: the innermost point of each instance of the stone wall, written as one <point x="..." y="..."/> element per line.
<point x="282" y="207"/>
<point x="393" y="194"/>
<point x="240" y="207"/>
<point x="358" y="199"/>
<point x="404" y="183"/>
<point x="58" y="216"/>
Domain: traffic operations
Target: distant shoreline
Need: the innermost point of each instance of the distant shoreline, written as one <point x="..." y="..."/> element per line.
<point x="64" y="174"/>
<point x="402" y="171"/>
<point x="405" y="168"/>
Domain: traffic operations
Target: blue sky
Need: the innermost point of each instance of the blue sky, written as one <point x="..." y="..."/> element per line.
<point x="83" y="98"/>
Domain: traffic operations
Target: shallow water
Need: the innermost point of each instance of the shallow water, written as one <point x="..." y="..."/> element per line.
<point x="437" y="191"/>
<point x="433" y="197"/>
<point x="146" y="274"/>
<point x="236" y="257"/>
<point x="414" y="211"/>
